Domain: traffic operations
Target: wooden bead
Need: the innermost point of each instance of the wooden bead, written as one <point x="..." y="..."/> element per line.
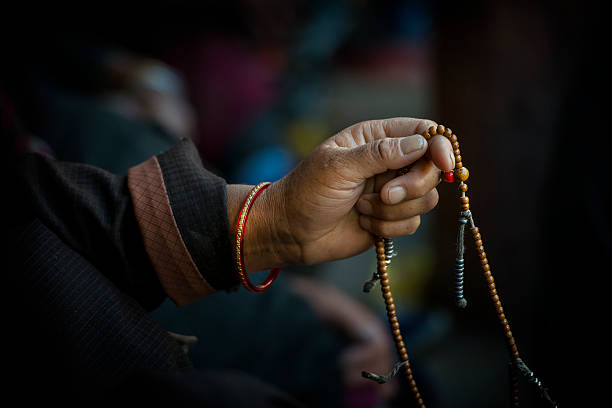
<point x="458" y="158"/>
<point x="458" y="165"/>
<point x="464" y="200"/>
<point x="478" y="243"/>
<point x="484" y="261"/>
<point x="448" y="132"/>
<point x="440" y="130"/>
<point x="463" y="187"/>
<point x="462" y="173"/>
<point x="426" y="135"/>
<point x="391" y="309"/>
<point x="475" y="231"/>
<point x="433" y="130"/>
<point x="389" y="300"/>
<point x="457" y="152"/>
<point x="395" y="325"/>
<point x="455" y="144"/>
<point x="465" y="207"/>
<point x="453" y="140"/>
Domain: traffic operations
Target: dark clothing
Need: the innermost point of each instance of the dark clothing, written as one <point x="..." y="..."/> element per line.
<point x="87" y="264"/>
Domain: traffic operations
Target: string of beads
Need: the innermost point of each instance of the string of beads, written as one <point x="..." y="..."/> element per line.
<point x="383" y="245"/>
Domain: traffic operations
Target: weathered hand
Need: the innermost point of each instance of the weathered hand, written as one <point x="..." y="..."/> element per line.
<point x="347" y="190"/>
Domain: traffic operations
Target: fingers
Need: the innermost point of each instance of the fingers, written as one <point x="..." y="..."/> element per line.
<point x="390" y="229"/>
<point x="421" y="178"/>
<point x="396" y="210"/>
<point x="441" y="153"/>
<point x="394" y="220"/>
<point x="378" y="156"/>
<point x="368" y="131"/>
<point x="370" y="205"/>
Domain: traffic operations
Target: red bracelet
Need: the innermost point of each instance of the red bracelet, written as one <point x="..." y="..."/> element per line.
<point x="240" y="232"/>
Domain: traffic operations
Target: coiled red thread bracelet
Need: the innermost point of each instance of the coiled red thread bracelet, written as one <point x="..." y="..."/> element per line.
<point x="243" y="215"/>
<point x="384" y="253"/>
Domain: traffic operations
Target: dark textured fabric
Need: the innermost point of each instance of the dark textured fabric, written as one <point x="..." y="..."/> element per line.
<point x="90" y="209"/>
<point x="78" y="334"/>
<point x="81" y="342"/>
<point x="198" y="200"/>
<point x="78" y="283"/>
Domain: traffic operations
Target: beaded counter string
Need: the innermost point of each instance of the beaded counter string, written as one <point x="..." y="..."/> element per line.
<point x="384" y="253"/>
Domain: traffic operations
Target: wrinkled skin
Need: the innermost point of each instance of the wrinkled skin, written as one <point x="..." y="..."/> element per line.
<point x="345" y="192"/>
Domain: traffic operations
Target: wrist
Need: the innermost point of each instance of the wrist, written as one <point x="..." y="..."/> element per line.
<point x="267" y="239"/>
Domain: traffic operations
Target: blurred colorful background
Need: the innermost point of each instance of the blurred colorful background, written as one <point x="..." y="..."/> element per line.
<point x="258" y="84"/>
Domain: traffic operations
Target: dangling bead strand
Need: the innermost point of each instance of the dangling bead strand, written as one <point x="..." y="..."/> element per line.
<point x="384" y="252"/>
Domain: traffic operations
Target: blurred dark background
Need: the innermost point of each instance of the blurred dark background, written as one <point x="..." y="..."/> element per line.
<point x="258" y="84"/>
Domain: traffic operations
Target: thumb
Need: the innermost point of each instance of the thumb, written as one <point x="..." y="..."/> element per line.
<point x="385" y="154"/>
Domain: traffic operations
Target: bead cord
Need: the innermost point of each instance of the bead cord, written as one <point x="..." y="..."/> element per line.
<point x="531" y="377"/>
<point x="381" y="379"/>
<point x="385" y="287"/>
<point x="517" y="365"/>
<point x="371" y="283"/>
<point x="239" y="243"/>
<point x="459" y="262"/>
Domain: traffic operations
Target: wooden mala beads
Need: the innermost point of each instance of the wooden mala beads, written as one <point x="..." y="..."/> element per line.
<point x="384" y="252"/>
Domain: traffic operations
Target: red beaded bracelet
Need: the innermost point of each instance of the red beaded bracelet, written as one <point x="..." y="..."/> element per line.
<point x="240" y="232"/>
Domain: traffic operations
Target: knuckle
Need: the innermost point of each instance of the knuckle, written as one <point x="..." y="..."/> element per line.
<point x="419" y="187"/>
<point x="384" y="149"/>
<point x="413" y="225"/>
<point x="432" y="199"/>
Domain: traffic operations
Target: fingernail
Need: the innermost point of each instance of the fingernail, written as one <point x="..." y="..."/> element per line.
<point x="452" y="159"/>
<point x="364" y="206"/>
<point x="411" y="144"/>
<point x="396" y="194"/>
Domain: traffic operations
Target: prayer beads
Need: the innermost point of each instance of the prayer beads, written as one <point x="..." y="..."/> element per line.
<point x="384" y="246"/>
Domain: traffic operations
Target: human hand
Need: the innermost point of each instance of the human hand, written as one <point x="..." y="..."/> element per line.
<point x="347" y="191"/>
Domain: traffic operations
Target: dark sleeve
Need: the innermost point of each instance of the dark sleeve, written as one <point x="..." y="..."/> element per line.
<point x="161" y="230"/>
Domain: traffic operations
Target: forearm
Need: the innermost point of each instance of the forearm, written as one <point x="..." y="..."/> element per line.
<point x="268" y="242"/>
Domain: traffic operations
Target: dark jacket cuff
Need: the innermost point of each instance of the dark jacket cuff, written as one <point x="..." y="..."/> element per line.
<point x="182" y="213"/>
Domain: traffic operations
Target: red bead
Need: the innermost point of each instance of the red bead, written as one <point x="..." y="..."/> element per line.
<point x="449" y="176"/>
